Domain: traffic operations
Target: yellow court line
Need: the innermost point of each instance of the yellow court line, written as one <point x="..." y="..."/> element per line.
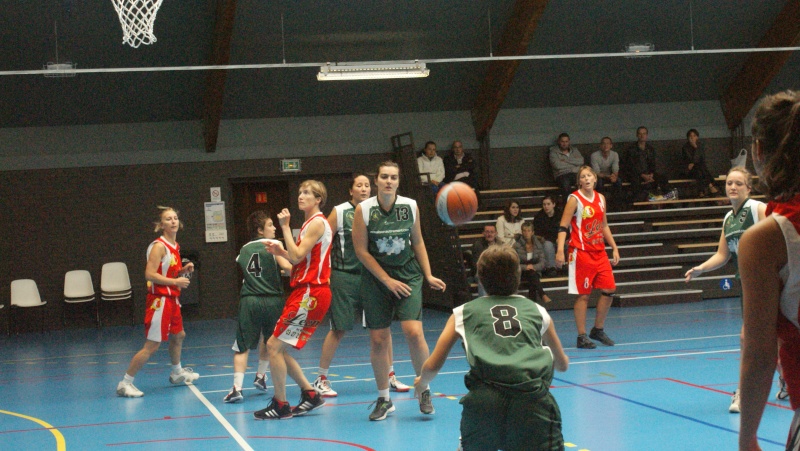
<point x="61" y="444"/>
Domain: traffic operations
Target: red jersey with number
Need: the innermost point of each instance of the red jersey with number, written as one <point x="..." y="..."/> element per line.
<point x="169" y="266"/>
<point x="315" y="268"/>
<point x="787" y="215"/>
<point x="587" y="223"/>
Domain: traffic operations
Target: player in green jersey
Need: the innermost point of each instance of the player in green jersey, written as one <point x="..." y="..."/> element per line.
<point x="388" y="241"/>
<point x="260" y="304"/>
<point x="745" y="213"/>
<point x="512" y="349"/>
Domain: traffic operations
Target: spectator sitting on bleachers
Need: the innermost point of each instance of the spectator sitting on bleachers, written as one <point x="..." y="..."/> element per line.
<point x="530" y="249"/>
<point x="694" y="160"/>
<point x="509" y="223"/>
<point x="640" y="166"/>
<point x="488" y="239"/>
<point x="565" y="161"/>
<point x="546" y="223"/>
<point x="605" y="162"/>
<point x="431" y="164"/>
<point x="460" y="166"/>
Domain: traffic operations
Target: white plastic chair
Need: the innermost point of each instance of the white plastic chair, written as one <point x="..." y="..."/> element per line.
<point x="115" y="285"/>
<point x="24" y="294"/>
<point x="78" y="289"/>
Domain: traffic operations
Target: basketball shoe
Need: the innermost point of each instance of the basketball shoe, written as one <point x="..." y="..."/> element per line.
<point x="276" y="410"/>
<point x="233" y="396"/>
<point x="396" y="385"/>
<point x="128" y="390"/>
<point x="323" y="386"/>
<point x="260" y="382"/>
<point x="309" y="400"/>
<point x="184" y="375"/>
<point x="782" y="392"/>
<point x="383" y="407"/>
<point x="734" y="408"/>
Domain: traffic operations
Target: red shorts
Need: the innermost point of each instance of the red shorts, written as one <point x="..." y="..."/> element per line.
<point x="589" y="270"/>
<point x="162" y="317"/>
<point x="304" y="310"/>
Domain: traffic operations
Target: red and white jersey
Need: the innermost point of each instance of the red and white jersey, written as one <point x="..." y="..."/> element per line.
<point x="170" y="266"/>
<point x="787" y="215"/>
<point x="587" y="223"/>
<point x="315" y="268"/>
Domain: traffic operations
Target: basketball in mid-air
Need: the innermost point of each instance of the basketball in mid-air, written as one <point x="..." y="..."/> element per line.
<point x="456" y="203"/>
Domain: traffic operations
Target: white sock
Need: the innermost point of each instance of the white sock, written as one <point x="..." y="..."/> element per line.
<point x="384" y="394"/>
<point x="176" y="368"/>
<point x="127" y="379"/>
<point x="323" y="371"/>
<point x="391" y="369"/>
<point x="263" y="366"/>
<point x="238" y="379"/>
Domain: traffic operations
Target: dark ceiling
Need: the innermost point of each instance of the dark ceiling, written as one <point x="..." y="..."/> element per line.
<point x="89" y="34"/>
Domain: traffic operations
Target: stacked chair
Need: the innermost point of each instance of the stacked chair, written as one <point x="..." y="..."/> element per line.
<point x="24" y="294"/>
<point x="78" y="289"/>
<point x="115" y="285"/>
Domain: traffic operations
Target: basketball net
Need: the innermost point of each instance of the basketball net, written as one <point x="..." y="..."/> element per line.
<point x="137" y="18"/>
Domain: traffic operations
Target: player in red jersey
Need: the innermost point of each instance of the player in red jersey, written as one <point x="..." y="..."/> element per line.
<point x="307" y="304"/>
<point x="589" y="266"/>
<point x="769" y="265"/>
<point x="165" y="276"/>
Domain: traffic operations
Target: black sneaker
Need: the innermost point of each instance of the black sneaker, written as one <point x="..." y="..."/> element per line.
<point x="585" y="343"/>
<point x="309" y="400"/>
<point x="260" y="382"/>
<point x="383" y="407"/>
<point x="600" y="335"/>
<point x="234" y="396"/>
<point x="276" y="410"/>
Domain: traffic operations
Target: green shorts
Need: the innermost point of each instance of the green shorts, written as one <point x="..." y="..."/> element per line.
<point x="381" y="305"/>
<point x="493" y="419"/>
<point x="345" y="300"/>
<point x="257" y="316"/>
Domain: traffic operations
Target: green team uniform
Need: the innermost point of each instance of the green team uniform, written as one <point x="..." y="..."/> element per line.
<point x="345" y="271"/>
<point x="389" y="242"/>
<point x="734" y="225"/>
<point x="509" y="405"/>
<point x="261" y="298"/>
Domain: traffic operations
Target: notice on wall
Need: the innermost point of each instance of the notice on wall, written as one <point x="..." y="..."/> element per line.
<point x="216" y="229"/>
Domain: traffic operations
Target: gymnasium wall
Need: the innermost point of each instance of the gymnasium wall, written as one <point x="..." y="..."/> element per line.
<point x="77" y="197"/>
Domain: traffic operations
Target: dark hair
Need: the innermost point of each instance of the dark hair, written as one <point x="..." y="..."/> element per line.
<point x="507" y="211"/>
<point x="499" y="270"/>
<point x="642" y="127"/>
<point x="429" y="143"/>
<point x="608" y="138"/>
<point x="692" y="130"/>
<point x="776" y="127"/>
<point x="548" y="197"/>
<point x="563" y="135"/>
<point x="355" y="176"/>
<point x="256" y="221"/>
<point x="387" y="164"/>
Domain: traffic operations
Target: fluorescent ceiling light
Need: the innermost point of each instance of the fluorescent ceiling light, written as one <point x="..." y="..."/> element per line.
<point x="346" y="71"/>
<point x="636" y="50"/>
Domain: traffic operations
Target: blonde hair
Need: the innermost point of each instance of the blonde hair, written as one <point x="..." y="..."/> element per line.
<point x="318" y="189"/>
<point x="161" y="210"/>
<point x="748" y="177"/>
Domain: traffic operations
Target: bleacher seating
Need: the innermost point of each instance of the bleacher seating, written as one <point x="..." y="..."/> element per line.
<point x="658" y="242"/>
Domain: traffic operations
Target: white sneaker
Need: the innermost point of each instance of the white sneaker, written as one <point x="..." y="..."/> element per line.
<point x="185" y="375"/>
<point x="396" y="385"/>
<point x="323" y="386"/>
<point x="127" y="390"/>
<point x="734" y="408"/>
<point x="783" y="393"/>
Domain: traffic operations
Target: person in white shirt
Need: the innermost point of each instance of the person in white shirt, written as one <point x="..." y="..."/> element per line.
<point x="431" y="164"/>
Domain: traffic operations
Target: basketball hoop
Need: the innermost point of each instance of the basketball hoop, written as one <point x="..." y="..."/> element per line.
<point x="137" y="18"/>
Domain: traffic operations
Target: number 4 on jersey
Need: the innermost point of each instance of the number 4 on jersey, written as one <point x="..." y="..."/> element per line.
<point x="254" y="266"/>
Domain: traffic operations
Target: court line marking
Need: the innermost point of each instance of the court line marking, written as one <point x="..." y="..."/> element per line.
<point x="234" y="433"/>
<point x="659" y="409"/>
<point x="61" y="444"/>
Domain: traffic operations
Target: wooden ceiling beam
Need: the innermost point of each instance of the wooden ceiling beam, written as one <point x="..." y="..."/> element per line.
<point x="759" y="69"/>
<point x="515" y="40"/>
<point x="213" y="96"/>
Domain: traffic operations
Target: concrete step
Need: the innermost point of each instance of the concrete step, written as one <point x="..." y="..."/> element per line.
<point x="657" y="298"/>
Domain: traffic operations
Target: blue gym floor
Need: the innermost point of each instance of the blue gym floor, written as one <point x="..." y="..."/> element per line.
<point x="665" y="386"/>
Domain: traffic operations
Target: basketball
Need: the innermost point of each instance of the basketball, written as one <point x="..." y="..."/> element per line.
<point x="456" y="203"/>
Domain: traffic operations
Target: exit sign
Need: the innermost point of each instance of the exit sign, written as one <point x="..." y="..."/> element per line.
<point x="291" y="165"/>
